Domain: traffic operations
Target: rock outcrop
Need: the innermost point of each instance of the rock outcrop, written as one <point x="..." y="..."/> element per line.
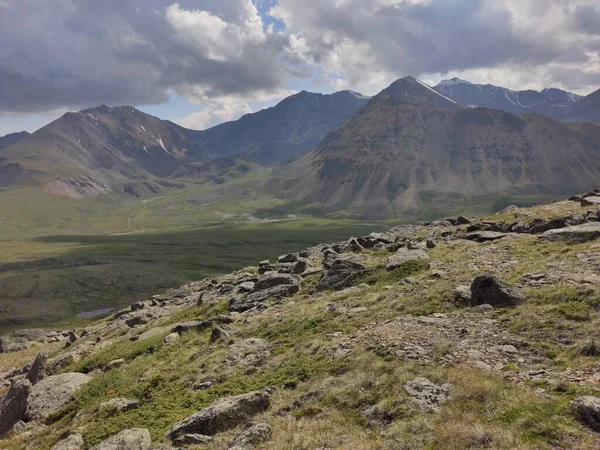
<point x="491" y="290"/>
<point x="13" y="405"/>
<point x="222" y="415"/>
<point x="38" y="368"/>
<point x="53" y="393"/>
<point x="134" y="439"/>
<point x="587" y="410"/>
<point x="72" y="442"/>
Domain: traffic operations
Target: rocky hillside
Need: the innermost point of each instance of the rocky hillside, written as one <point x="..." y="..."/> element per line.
<point x="455" y="334"/>
<point x="93" y="152"/>
<point x="409" y="145"/>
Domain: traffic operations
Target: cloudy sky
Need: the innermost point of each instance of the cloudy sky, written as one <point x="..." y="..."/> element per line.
<point x="202" y="62"/>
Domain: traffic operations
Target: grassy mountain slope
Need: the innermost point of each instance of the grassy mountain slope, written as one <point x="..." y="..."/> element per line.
<point x="337" y="363"/>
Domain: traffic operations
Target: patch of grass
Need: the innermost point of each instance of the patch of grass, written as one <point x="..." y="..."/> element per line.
<point x="126" y="350"/>
<point x="381" y="276"/>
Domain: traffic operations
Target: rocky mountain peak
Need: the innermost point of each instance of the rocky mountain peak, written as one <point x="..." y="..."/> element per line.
<point x="413" y="90"/>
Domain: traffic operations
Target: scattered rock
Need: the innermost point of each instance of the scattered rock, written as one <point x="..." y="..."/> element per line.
<point x="222" y="415"/>
<point x="38" y="368"/>
<point x="462" y="295"/>
<point x="136" y="321"/>
<point x="218" y="333"/>
<point x="53" y="393"/>
<point x="171" y="338"/>
<point x="13" y="405"/>
<point x="254" y="435"/>
<point x="587" y="411"/>
<point x="193" y="439"/>
<point x="426" y="394"/>
<point x="134" y="439"/>
<point x="73" y="442"/>
<point x="485" y="236"/>
<point x="290" y="258"/>
<point x="404" y="257"/>
<point x="275" y="279"/>
<point x="63" y="362"/>
<point x="488" y="289"/>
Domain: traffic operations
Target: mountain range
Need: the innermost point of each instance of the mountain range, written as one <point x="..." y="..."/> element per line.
<point x="410" y="142"/>
<point x="376" y="157"/>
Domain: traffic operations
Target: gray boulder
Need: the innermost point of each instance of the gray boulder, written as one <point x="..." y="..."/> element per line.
<point x="291" y="258"/>
<point x="462" y="295"/>
<point x="134" y="439"/>
<point x="53" y="393"/>
<point x="254" y="435"/>
<point x="73" y="442"/>
<point x="13" y="405"/>
<point x="222" y="415"/>
<point x="488" y="289"/>
<point x="38" y="368"/>
<point x="426" y="394"/>
<point x="275" y="279"/>
<point x="575" y="234"/>
<point x="587" y="411"/>
<point x="404" y="257"/>
<point x="193" y="439"/>
<point x="340" y="274"/>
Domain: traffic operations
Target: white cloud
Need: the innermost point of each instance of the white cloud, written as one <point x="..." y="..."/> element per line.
<point x="214" y="114"/>
<point x="366" y="44"/>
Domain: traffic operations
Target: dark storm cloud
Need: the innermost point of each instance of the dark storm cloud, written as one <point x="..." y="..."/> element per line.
<point x="588" y="19"/>
<point x="73" y="53"/>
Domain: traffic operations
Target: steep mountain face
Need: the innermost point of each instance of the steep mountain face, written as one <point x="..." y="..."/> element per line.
<point x="286" y="131"/>
<point x="388" y="158"/>
<point x="89" y="152"/>
<point x="13" y="138"/>
<point x="553" y="103"/>
<point x="585" y="110"/>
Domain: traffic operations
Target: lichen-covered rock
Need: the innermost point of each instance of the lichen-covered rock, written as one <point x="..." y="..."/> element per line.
<point x="222" y="415"/>
<point x="254" y="435"/>
<point x="587" y="411"/>
<point x="38" y="368"/>
<point x="405" y="256"/>
<point x="72" y="442"/>
<point x="13" y="405"/>
<point x="53" y="393"/>
<point x="134" y="439"/>
<point x="426" y="394"/>
<point x="340" y="273"/>
<point x="488" y="289"/>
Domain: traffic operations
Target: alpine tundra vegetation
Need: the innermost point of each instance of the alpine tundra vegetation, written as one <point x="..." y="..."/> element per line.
<point x="460" y="333"/>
